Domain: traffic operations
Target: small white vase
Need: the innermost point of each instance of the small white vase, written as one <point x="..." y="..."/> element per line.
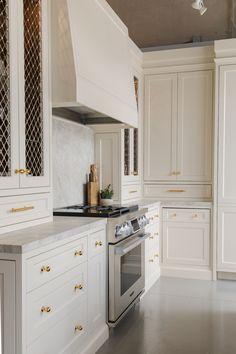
<point x="106" y="202"/>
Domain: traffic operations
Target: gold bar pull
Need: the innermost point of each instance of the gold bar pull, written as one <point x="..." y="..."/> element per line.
<point x="46" y="309"/>
<point x="78" y="287"/>
<point x="78" y="328"/>
<point x="18" y="210"/>
<point x="22" y="171"/>
<point x="45" y="269"/>
<point x="176" y="190"/>
<point x="132" y="192"/>
<point x="98" y="243"/>
<point x="78" y="253"/>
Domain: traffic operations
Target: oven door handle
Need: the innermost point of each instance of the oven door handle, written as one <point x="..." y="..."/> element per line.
<point x="129" y="245"/>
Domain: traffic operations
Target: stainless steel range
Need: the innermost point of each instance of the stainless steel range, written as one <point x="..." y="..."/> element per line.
<point x="126" y="248"/>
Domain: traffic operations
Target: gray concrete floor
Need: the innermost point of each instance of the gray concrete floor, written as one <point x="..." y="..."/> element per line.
<point x="179" y="316"/>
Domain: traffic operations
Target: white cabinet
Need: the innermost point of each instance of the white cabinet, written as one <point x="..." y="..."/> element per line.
<point x="178" y="127"/>
<point x="186" y="242"/>
<point x="7" y="307"/>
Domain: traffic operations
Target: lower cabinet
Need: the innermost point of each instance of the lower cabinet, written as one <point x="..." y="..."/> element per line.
<point x="186" y="242"/>
<point x="226" y="260"/>
<point x="7" y="307"/>
<point x="152" y="248"/>
<point x="63" y="289"/>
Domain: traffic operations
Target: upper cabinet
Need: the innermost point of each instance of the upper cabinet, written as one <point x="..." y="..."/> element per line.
<point x="92" y="69"/>
<point x="24" y="95"/>
<point x="178" y="127"/>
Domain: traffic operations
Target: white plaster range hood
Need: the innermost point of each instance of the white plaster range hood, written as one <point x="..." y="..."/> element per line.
<point x="91" y="64"/>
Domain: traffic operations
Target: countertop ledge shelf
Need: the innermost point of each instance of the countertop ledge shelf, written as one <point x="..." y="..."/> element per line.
<point x="62" y="228"/>
<point x="151" y="203"/>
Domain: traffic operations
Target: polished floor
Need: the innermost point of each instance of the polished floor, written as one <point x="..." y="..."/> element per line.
<point x="179" y="316"/>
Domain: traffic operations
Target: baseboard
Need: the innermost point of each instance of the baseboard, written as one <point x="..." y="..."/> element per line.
<point x="204" y="274"/>
<point x="226" y="275"/>
<point x="97" y="340"/>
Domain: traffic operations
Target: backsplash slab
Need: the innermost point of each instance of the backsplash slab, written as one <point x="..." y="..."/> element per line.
<point x="73" y="153"/>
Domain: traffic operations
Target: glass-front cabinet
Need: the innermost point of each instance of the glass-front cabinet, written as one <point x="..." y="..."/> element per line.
<point x="24" y="112"/>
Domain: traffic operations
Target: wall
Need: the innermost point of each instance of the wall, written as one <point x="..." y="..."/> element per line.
<point x="73" y="152"/>
<point x="166" y="22"/>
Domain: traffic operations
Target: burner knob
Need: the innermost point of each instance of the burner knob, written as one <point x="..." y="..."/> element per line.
<point x="119" y="230"/>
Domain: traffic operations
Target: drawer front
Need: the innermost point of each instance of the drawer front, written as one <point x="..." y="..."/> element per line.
<point x="50" y="303"/>
<point x="186" y="215"/>
<point x="47" y="266"/>
<point x="131" y="192"/>
<point x="154" y="216"/>
<point x="19" y="209"/>
<point x="178" y="192"/>
<point x="97" y="243"/>
<point x="65" y="334"/>
<point x="152" y="241"/>
<point x="152" y="263"/>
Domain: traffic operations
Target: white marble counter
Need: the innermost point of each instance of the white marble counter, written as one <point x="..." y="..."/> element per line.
<point x="61" y="228"/>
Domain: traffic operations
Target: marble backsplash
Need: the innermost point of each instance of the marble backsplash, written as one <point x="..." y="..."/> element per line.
<point x="73" y="152"/>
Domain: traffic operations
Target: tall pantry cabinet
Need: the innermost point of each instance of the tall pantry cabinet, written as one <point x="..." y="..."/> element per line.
<point x="178" y="125"/>
<point x="225" y="193"/>
<point x="24" y="113"/>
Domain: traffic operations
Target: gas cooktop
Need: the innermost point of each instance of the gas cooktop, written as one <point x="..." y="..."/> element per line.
<point x="110" y="211"/>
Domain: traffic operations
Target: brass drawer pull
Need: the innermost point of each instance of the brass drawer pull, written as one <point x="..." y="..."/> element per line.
<point x="78" y="253"/>
<point x="151" y="237"/>
<point x="98" y="243"/>
<point x="46" y="309"/>
<point x="156" y="216"/>
<point x="151" y="260"/>
<point x="45" y="269"/>
<point x="195" y="216"/>
<point x="176" y="190"/>
<point x="131" y="192"/>
<point x="151" y="218"/>
<point x="22" y="171"/>
<point x="174" y="215"/>
<point x="156" y="255"/>
<point x="18" y="210"/>
<point x="78" y="287"/>
<point x="78" y="328"/>
<point x="156" y="234"/>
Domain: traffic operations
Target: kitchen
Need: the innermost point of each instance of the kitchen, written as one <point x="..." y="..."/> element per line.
<point x="86" y="104"/>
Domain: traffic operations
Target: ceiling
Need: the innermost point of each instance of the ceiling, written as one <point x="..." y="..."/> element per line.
<point x="167" y="22"/>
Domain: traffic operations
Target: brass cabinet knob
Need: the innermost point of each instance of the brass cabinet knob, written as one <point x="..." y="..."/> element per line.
<point x="45" y="269"/>
<point x="195" y="216"/>
<point x="151" y="218"/>
<point x="46" y="309"/>
<point x="174" y="215"/>
<point x="78" y="287"/>
<point x="156" y="233"/>
<point x="78" y="328"/>
<point x="98" y="243"/>
<point x="151" y="237"/>
<point x="151" y="260"/>
<point x="157" y="216"/>
<point x="156" y="255"/>
<point x="78" y="253"/>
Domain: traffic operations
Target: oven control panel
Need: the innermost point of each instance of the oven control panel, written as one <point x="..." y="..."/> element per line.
<point x="132" y="226"/>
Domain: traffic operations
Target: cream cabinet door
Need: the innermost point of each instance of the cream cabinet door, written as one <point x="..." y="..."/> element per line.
<point x="226" y="257"/>
<point x="160" y="126"/>
<point x="227" y="129"/>
<point x="7" y="307"/>
<point x="107" y="157"/>
<point x="195" y="115"/>
<point x="186" y="244"/>
<point x="9" y="145"/>
<point x="34" y="94"/>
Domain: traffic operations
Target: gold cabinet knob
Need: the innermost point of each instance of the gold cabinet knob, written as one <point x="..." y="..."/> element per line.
<point x="98" y="243"/>
<point x="78" y="328"/>
<point x="78" y="287"/>
<point x="78" y="253"/>
<point x="173" y="173"/>
<point x="151" y="218"/>
<point x="157" y="216"/>
<point x="151" y="237"/>
<point x="151" y="260"/>
<point x="156" y="233"/>
<point x="174" y="215"/>
<point x="45" y="269"/>
<point x="46" y="309"/>
<point x="156" y="255"/>
<point x="195" y="216"/>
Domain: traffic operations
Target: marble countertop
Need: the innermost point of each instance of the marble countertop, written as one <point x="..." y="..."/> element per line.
<point x="61" y="228"/>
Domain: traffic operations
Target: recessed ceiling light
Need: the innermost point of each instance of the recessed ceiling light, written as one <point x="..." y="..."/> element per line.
<point x="199" y="5"/>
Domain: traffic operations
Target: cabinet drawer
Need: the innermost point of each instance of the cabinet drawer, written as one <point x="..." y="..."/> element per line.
<point x="19" y="209"/>
<point x="97" y="242"/>
<point x="131" y="192"/>
<point x="152" y="242"/>
<point x="178" y="192"/>
<point x="153" y="216"/>
<point x="49" y="265"/>
<point x="50" y="303"/>
<point x="65" y="334"/>
<point x="187" y="215"/>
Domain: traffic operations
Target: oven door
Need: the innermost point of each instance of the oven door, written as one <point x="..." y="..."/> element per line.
<point x="126" y="273"/>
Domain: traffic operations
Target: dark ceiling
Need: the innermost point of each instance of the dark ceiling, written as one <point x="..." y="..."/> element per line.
<point x="167" y="22"/>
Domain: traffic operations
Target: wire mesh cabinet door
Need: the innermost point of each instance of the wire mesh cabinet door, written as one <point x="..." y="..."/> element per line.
<point x="34" y="95"/>
<point x="9" y="148"/>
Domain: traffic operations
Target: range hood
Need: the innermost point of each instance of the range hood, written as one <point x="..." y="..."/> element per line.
<point x="92" y="78"/>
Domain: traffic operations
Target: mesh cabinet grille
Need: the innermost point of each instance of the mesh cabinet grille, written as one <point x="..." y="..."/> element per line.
<point x="5" y="122"/>
<point x="33" y="87"/>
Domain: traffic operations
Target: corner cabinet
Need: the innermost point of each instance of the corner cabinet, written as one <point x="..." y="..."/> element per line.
<point x="24" y="100"/>
<point x="178" y="118"/>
